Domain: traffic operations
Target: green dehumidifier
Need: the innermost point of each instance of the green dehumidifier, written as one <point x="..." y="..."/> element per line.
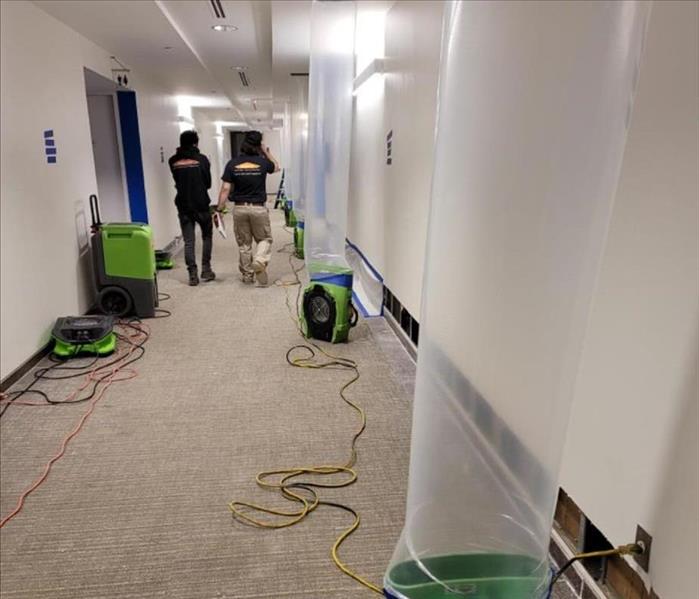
<point x="75" y="335"/>
<point x="123" y="257"/>
<point x="299" y="231"/>
<point x="327" y="311"/>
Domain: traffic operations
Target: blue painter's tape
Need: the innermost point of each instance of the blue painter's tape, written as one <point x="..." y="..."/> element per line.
<point x="51" y="159"/>
<point x="359" y="303"/>
<point x="363" y="257"/>
<point x="48" y="133"/>
<point x="341" y="280"/>
<point x="50" y="151"/>
<point x="49" y="142"/>
<point x="133" y="161"/>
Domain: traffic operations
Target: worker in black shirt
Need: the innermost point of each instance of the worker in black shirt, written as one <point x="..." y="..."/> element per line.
<point x="244" y="180"/>
<point x="192" y="173"/>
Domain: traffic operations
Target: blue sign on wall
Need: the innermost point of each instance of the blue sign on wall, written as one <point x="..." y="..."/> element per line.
<point x="50" y="146"/>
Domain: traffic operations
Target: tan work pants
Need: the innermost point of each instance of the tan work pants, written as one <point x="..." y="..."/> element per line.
<point x="252" y="223"/>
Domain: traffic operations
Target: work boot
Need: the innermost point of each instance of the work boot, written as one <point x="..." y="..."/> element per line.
<point x="207" y="274"/>
<point x="193" y="278"/>
<point x="260" y="271"/>
<point x="262" y="278"/>
<point x="248" y="279"/>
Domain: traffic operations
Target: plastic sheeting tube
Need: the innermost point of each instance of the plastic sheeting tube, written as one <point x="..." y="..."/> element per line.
<point x="299" y="134"/>
<point x="286" y="149"/>
<point x="330" y="131"/>
<point x="534" y="103"/>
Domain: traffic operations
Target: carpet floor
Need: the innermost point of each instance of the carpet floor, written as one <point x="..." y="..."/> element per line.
<point x="137" y="507"/>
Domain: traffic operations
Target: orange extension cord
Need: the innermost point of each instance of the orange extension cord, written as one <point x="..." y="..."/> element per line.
<point x="136" y="341"/>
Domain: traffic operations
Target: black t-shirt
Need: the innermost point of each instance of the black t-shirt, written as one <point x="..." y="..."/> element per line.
<point x="192" y="173"/>
<point x="248" y="176"/>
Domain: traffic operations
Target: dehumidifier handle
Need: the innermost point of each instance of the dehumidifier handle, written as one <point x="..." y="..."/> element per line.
<point x="95" y="211"/>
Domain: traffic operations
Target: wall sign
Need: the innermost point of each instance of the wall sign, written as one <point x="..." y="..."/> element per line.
<point x="50" y="146"/>
<point x="389" y="143"/>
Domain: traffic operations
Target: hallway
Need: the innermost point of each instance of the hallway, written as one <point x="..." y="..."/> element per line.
<point x="508" y="193"/>
<point x="138" y="505"/>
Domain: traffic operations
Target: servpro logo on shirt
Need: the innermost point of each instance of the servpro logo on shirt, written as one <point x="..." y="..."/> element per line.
<point x="247" y="176"/>
<point x="247" y="166"/>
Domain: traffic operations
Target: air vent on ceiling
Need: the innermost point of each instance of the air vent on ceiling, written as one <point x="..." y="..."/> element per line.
<point x="218" y="9"/>
<point x="244" y="79"/>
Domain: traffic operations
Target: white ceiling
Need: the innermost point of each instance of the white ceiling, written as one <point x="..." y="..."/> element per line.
<point x="272" y="40"/>
<point x="291" y="39"/>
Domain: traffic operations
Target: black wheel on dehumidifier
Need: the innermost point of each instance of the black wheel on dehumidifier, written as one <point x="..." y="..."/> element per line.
<point x="115" y="301"/>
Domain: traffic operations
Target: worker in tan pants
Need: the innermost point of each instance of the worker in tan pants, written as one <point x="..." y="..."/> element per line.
<point x="244" y="184"/>
<point x="251" y="222"/>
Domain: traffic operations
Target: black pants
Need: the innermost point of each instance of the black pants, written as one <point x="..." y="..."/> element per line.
<point x="187" y="222"/>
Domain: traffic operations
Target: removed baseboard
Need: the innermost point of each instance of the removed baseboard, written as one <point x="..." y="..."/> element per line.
<point x="577" y="577"/>
<point x="401" y="334"/>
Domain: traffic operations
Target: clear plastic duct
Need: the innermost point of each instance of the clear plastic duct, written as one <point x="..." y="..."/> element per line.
<point x="330" y="131"/>
<point x="286" y="148"/>
<point x="299" y="134"/>
<point x="534" y="103"/>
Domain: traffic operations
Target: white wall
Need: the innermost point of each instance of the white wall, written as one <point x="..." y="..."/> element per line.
<point x="272" y="139"/>
<point x="157" y="119"/>
<point x="43" y="208"/>
<point x="365" y="218"/>
<point x="389" y="205"/>
<point x="413" y="43"/>
<point x="107" y="155"/>
<point x="210" y="146"/>
<point x="633" y="455"/>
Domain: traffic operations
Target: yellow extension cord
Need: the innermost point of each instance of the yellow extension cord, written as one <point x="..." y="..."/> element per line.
<point x="304" y="491"/>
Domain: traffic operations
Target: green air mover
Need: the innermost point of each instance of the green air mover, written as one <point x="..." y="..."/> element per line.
<point x="124" y="262"/>
<point x="328" y="313"/>
<point x="163" y="260"/>
<point x="478" y="575"/>
<point x="75" y="335"/>
<point x="289" y="215"/>
<point x="299" y="230"/>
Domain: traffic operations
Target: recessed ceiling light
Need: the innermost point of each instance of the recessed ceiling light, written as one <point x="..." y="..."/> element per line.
<point x="224" y="28"/>
<point x="239" y="68"/>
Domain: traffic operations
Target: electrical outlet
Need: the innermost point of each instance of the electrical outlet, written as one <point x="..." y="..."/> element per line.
<point x="645" y="540"/>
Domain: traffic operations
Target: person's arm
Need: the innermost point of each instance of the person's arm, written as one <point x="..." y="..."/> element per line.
<point x="223" y="196"/>
<point x="271" y="158"/>
<point x="206" y="171"/>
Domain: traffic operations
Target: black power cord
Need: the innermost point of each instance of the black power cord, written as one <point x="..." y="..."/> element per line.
<point x="80" y="370"/>
<point x="630" y="549"/>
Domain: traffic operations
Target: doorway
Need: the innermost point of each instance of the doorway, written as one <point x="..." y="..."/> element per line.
<point x="237" y="138"/>
<point x="106" y="149"/>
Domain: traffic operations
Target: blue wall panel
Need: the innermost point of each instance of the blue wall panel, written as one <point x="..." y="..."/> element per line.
<point x="133" y="161"/>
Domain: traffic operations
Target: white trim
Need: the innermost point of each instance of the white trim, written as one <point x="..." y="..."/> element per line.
<point x="375" y="67"/>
